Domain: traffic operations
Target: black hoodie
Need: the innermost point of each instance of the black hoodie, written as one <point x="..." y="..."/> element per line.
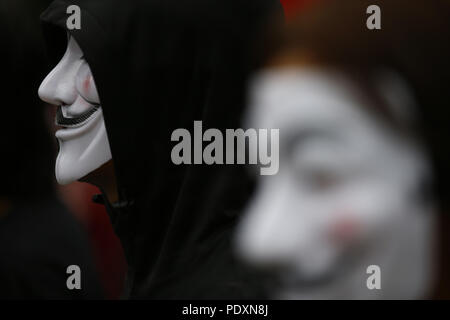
<point x="39" y="237"/>
<point x="158" y="66"/>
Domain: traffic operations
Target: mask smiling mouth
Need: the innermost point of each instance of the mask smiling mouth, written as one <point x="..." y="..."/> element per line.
<point x="74" y="122"/>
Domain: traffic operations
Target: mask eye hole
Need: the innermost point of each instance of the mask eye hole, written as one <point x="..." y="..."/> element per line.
<point x="321" y="180"/>
<point x="85" y="84"/>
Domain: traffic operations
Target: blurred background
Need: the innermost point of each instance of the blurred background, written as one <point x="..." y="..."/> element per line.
<point x="363" y="180"/>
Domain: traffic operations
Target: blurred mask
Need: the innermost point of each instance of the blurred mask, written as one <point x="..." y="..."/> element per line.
<point x="83" y="142"/>
<point x="349" y="193"/>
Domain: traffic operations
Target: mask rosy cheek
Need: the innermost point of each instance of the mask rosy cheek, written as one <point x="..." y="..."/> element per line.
<point x="87" y="84"/>
<point x="346" y="229"/>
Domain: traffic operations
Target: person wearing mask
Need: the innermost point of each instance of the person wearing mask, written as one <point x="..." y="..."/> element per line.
<point x="359" y="207"/>
<point x="134" y="72"/>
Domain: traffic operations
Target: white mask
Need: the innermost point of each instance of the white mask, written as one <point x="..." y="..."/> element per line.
<point x="345" y="197"/>
<point x="83" y="142"/>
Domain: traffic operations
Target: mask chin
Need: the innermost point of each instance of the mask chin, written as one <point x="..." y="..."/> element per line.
<point x="82" y="150"/>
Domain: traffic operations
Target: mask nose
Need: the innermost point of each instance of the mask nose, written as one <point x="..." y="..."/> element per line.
<point x="262" y="238"/>
<point x="58" y="88"/>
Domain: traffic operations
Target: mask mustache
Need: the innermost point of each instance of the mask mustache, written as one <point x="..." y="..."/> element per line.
<point x="77" y="121"/>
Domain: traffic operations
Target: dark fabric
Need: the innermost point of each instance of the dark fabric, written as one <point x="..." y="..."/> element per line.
<point x="39" y="238"/>
<point x="38" y="241"/>
<point x="27" y="149"/>
<point x="158" y="66"/>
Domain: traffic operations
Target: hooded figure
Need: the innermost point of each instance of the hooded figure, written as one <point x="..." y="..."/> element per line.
<point x="39" y="237"/>
<point x="159" y="66"/>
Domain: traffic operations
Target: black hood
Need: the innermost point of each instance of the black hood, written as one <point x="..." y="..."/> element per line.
<point x="160" y="65"/>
